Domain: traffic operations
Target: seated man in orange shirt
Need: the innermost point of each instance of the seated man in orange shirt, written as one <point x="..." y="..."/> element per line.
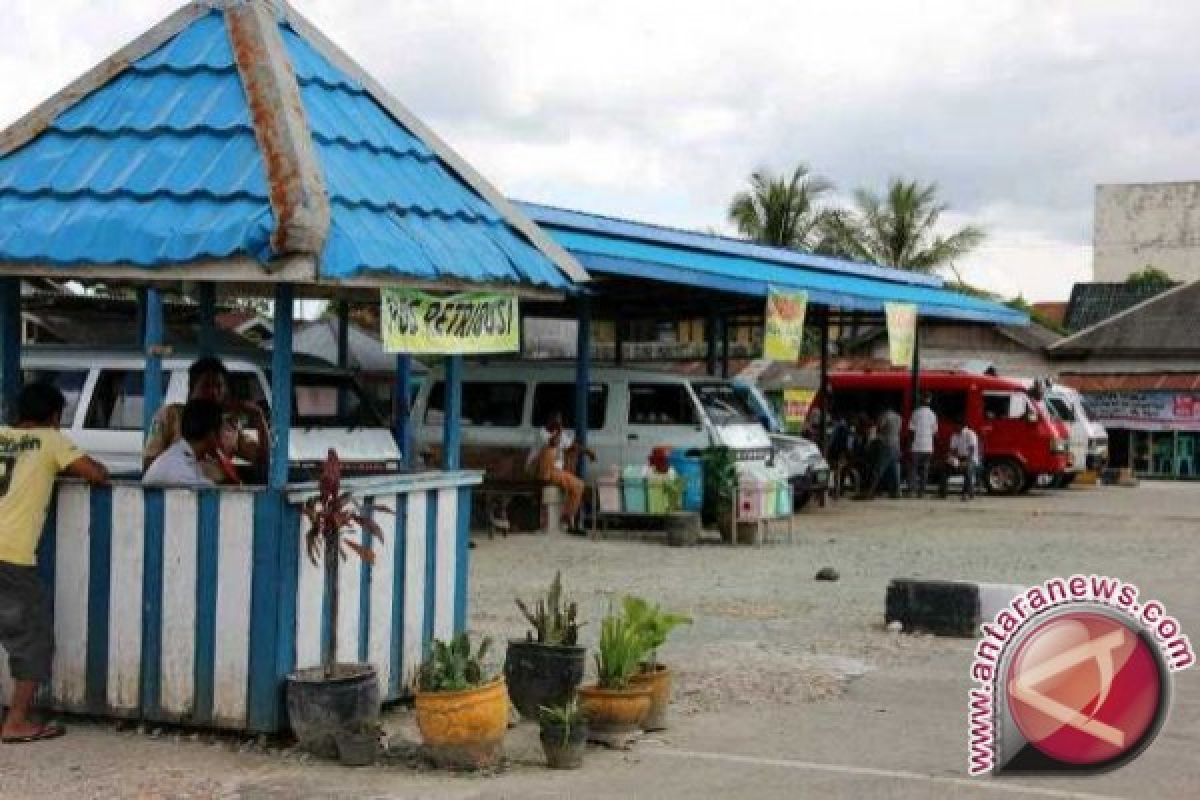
<point x="553" y="459"/>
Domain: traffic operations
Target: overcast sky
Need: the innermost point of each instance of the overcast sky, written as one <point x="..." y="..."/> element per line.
<point x="658" y="110"/>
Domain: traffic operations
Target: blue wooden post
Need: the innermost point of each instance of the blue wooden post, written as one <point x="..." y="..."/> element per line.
<point x="206" y="298"/>
<point x="402" y="423"/>
<point x="10" y="346"/>
<point x="711" y="328"/>
<point x="452" y="416"/>
<point x="343" y="348"/>
<point x="583" y="379"/>
<point x="152" y="341"/>
<point x="281" y="384"/>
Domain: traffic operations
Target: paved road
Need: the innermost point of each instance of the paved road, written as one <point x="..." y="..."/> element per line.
<point x="768" y="705"/>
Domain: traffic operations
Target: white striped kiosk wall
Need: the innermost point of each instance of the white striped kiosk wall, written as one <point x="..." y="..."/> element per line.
<point x="191" y="607"/>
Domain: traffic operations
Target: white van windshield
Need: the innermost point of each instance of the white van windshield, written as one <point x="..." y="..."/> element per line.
<point x="1060" y="408"/>
<point x="723" y="404"/>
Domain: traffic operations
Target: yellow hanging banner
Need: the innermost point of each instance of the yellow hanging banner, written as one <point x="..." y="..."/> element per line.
<point x="413" y="321"/>
<point x="902" y="332"/>
<point x="784" y="325"/>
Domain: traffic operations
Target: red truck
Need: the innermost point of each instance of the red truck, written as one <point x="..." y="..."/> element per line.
<point x="1020" y="441"/>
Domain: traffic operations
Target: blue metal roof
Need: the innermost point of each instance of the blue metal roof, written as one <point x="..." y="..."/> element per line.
<point x="160" y="166"/>
<point x="605" y="245"/>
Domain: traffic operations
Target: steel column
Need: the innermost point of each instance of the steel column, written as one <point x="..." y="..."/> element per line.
<point x="916" y="366"/>
<point x="206" y="298"/>
<point x="401" y="421"/>
<point x="281" y="384"/>
<point x="724" y="347"/>
<point x="152" y="346"/>
<point x="583" y="379"/>
<point x="823" y="395"/>
<point x="10" y="346"/>
<point x="711" y="327"/>
<point x="452" y="416"/>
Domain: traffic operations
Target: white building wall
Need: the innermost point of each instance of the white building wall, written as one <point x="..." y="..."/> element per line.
<point x="1147" y="223"/>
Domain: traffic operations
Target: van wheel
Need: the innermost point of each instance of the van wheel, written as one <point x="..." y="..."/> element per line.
<point x="1004" y="476"/>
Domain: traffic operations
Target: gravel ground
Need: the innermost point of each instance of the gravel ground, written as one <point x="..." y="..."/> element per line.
<point x="786" y="686"/>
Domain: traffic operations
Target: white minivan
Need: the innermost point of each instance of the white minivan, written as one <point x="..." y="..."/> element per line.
<point x="1089" y="439"/>
<point x="629" y="414"/>
<point x="103" y="388"/>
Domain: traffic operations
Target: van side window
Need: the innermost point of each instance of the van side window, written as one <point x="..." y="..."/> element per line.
<point x="560" y="397"/>
<point x="1061" y="409"/>
<point x="851" y="403"/>
<point x="661" y="404"/>
<point x="116" y="401"/>
<point x="69" y="381"/>
<point x="1004" y="405"/>
<point x="484" y="404"/>
<point x="949" y="405"/>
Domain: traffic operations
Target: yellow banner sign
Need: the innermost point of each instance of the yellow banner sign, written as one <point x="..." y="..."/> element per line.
<point x="472" y="322"/>
<point x="796" y="403"/>
<point x="902" y="332"/>
<point x="784" y="325"/>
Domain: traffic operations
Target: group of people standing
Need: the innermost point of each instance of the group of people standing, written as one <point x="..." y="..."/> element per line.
<point x="877" y="444"/>
<point x="190" y="444"/>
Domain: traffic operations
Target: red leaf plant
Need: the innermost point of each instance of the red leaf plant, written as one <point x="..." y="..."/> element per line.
<point x="334" y="516"/>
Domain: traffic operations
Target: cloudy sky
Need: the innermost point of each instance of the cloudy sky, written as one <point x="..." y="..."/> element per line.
<point x="658" y="110"/>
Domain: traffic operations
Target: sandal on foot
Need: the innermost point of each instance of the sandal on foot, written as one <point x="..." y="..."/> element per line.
<point x="43" y="733"/>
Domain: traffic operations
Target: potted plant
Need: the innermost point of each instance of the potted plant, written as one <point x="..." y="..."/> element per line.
<point x="683" y="527"/>
<point x="654" y="626"/>
<point x="546" y="667"/>
<point x="720" y="489"/>
<point x="462" y="711"/>
<point x="333" y="698"/>
<point x="615" y="708"/>
<point x="564" y="735"/>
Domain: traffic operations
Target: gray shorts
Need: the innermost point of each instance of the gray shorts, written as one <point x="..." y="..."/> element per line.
<point x="26" y="624"/>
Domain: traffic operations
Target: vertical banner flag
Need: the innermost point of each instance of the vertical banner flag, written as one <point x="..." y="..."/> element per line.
<point x="472" y="322"/>
<point x="785" y="325"/>
<point x="902" y="332"/>
<point x="796" y="404"/>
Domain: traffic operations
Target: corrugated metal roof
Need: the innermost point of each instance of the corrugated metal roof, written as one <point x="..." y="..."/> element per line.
<point x="161" y="166"/>
<point x="631" y="249"/>
<point x="158" y="166"/>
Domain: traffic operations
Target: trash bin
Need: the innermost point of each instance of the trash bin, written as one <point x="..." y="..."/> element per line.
<point x="633" y="489"/>
<point x="691" y="470"/>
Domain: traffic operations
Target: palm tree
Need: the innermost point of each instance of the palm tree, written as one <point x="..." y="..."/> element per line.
<point x="781" y="211"/>
<point x="898" y="230"/>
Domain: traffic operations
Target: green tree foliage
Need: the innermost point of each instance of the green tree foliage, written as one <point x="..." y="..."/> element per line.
<point x="779" y="210"/>
<point x="1149" y="277"/>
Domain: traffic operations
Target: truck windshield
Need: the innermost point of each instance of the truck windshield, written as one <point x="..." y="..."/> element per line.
<point x="316" y="403"/>
<point x="723" y="404"/>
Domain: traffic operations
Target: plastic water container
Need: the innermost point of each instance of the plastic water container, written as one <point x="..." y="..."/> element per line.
<point x="657" y="501"/>
<point x="608" y="491"/>
<point x="633" y="489"/>
<point x="750" y="498"/>
<point x="783" y="506"/>
<point x="770" y="497"/>
<point x="691" y="470"/>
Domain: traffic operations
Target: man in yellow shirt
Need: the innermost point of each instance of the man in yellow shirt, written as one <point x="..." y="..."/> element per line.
<point x="32" y="454"/>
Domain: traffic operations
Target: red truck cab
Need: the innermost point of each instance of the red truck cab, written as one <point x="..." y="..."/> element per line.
<point x="1020" y="441"/>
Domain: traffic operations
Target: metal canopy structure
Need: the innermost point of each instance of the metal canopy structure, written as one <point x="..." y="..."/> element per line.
<point x="234" y="143"/>
<point x="625" y="253"/>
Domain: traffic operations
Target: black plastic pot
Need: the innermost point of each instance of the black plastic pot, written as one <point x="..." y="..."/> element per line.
<point x="357" y="749"/>
<point x="320" y="710"/>
<point x="564" y="749"/>
<point x="683" y="529"/>
<point x="542" y="675"/>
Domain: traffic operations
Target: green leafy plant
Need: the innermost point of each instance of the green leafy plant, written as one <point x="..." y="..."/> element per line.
<point x="452" y="667"/>
<point x="621" y="649"/>
<point x="554" y="620"/>
<point x="674" y="490"/>
<point x="720" y="481"/>
<point x="333" y="516"/>
<point x="652" y="624"/>
<point x="566" y="717"/>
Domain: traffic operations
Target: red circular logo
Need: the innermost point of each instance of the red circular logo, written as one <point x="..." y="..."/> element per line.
<point x="1085" y="688"/>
